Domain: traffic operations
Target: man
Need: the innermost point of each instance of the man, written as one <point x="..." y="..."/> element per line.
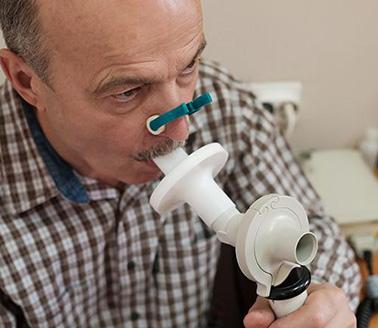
<point x="79" y="244"/>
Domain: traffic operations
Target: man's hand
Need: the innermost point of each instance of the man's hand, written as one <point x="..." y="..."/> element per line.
<point x="326" y="307"/>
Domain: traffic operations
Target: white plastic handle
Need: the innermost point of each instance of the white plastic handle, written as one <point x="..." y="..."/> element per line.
<point x="285" y="307"/>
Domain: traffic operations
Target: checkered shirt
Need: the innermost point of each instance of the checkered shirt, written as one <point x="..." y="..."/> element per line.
<point x="112" y="261"/>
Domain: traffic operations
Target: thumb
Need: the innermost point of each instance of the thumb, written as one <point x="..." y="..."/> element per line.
<point x="260" y="315"/>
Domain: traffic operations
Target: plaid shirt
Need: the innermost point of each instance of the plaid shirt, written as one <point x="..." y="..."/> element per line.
<point x="77" y="253"/>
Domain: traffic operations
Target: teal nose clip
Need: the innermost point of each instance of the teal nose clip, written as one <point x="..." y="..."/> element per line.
<point x="156" y="123"/>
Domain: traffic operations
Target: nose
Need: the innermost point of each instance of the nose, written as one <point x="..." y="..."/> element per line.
<point x="177" y="130"/>
<point x="171" y="96"/>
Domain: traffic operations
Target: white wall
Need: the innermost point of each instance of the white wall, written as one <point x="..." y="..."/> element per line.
<point x="331" y="46"/>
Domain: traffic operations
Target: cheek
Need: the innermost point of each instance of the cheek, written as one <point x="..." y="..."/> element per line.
<point x="122" y="135"/>
<point x="91" y="130"/>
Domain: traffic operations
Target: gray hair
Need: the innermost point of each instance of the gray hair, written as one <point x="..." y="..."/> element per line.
<point x="19" y="21"/>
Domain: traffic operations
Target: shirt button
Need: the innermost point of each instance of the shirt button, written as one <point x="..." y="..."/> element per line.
<point x="135" y="316"/>
<point x="131" y="265"/>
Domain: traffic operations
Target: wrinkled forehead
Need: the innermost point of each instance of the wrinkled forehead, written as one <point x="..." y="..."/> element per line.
<point x="77" y="27"/>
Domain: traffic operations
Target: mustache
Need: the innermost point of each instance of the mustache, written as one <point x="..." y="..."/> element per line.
<point x="160" y="149"/>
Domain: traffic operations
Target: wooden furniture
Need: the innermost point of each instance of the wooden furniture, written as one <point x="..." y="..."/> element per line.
<point x="364" y="273"/>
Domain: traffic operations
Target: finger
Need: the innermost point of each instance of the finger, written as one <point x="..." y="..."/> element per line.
<point x="260" y="314"/>
<point x="316" y="286"/>
<point x="345" y="320"/>
<point x="307" y="316"/>
<point x="317" y="311"/>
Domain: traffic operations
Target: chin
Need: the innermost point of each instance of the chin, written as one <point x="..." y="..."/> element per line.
<point x="146" y="172"/>
<point x="147" y="179"/>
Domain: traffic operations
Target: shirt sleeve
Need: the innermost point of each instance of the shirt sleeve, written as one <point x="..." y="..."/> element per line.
<point x="266" y="165"/>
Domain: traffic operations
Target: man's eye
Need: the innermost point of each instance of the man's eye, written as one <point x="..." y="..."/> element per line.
<point x="190" y="68"/>
<point x="127" y="95"/>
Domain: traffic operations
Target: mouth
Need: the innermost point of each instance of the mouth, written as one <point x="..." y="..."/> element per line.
<point x="151" y="163"/>
<point x="149" y="169"/>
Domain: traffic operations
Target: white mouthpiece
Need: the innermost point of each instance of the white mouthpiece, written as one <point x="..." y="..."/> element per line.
<point x="168" y="162"/>
<point x="190" y="179"/>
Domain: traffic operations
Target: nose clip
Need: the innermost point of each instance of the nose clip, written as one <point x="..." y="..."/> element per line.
<point x="156" y="123"/>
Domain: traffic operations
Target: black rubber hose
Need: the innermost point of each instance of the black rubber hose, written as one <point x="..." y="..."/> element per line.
<point x="364" y="312"/>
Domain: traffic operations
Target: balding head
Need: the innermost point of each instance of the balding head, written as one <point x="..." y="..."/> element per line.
<point x="79" y="30"/>
<point x="34" y="29"/>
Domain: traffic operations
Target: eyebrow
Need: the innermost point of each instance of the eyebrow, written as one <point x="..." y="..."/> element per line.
<point x="130" y="80"/>
<point x="200" y="50"/>
<point x="118" y="82"/>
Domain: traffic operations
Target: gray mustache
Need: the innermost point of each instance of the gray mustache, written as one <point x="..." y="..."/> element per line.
<point x="161" y="149"/>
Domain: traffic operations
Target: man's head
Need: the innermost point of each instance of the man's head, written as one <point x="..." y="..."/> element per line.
<point x="108" y="66"/>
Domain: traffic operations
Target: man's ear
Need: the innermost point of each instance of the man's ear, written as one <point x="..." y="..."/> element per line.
<point x="23" y="79"/>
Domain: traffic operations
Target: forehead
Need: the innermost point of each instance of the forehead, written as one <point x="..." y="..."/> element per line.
<point x="97" y="31"/>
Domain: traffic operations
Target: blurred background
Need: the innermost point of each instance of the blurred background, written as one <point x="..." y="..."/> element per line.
<point x="331" y="47"/>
